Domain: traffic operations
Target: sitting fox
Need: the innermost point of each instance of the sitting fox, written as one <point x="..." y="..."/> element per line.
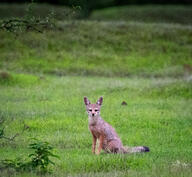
<point x="109" y="141"/>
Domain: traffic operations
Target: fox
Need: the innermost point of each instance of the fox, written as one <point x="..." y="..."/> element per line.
<point x="109" y="141"/>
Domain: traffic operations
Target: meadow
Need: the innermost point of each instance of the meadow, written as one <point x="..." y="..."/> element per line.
<point x="44" y="77"/>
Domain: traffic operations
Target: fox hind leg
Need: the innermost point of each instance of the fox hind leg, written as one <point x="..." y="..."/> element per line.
<point x="114" y="147"/>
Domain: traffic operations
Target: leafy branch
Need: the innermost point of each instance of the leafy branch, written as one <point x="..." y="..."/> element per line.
<point x="12" y="138"/>
<point x="29" y="22"/>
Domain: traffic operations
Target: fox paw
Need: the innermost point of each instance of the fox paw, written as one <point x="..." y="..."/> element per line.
<point x="97" y="153"/>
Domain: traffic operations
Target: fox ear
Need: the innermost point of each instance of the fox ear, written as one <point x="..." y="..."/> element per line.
<point x="100" y="101"/>
<point x="86" y="101"/>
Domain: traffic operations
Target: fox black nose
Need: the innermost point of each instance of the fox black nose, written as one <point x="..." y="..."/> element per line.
<point x="93" y="114"/>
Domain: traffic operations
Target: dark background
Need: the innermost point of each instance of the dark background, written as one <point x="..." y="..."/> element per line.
<point x="88" y="5"/>
<point x="114" y="2"/>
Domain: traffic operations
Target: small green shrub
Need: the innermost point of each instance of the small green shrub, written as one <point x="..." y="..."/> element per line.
<point x="39" y="160"/>
<point x="41" y="156"/>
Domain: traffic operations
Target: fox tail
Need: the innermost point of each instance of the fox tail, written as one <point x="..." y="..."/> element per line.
<point x="136" y="149"/>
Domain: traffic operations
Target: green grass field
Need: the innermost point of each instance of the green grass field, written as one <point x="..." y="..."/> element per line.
<point x="109" y="49"/>
<point x="44" y="76"/>
<point x="158" y="115"/>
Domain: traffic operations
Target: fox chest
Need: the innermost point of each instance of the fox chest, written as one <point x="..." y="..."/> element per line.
<point x="96" y="131"/>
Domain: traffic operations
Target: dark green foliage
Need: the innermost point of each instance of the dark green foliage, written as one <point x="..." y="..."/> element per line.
<point x="39" y="160"/>
<point x="5" y="78"/>
<point x="1" y="132"/>
<point x="17" y="164"/>
<point x="1" y="128"/>
<point x="41" y="156"/>
<point x="88" y="6"/>
<point x="40" y="10"/>
<point x="29" y="22"/>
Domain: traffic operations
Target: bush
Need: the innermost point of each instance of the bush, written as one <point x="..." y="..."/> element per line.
<point x="39" y="160"/>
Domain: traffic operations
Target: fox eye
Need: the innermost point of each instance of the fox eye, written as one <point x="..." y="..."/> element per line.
<point x="90" y="110"/>
<point x="96" y="110"/>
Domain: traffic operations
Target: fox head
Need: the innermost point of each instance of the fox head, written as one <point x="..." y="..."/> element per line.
<point x="93" y="110"/>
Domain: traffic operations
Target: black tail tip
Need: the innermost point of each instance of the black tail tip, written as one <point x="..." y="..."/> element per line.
<point x="146" y="149"/>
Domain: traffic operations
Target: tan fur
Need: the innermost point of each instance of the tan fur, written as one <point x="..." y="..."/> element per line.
<point x="109" y="141"/>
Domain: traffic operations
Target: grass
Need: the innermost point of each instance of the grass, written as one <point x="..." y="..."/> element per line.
<point x="53" y="109"/>
<point x="44" y="76"/>
<point x="109" y="49"/>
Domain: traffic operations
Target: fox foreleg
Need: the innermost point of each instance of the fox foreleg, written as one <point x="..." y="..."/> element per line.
<point x="101" y="138"/>
<point x="94" y="144"/>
